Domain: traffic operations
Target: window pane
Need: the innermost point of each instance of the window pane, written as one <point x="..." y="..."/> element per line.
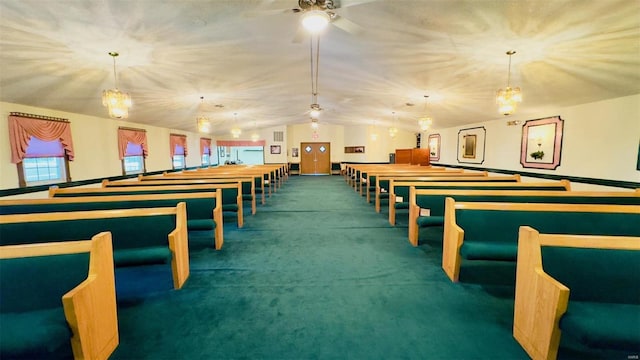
<point x="133" y="164"/>
<point x="205" y="159"/>
<point x="42" y="171"/>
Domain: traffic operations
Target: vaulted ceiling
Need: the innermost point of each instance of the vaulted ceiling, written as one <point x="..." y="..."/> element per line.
<point x="378" y="57"/>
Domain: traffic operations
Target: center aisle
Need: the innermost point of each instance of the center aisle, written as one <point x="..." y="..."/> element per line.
<point x="317" y="274"/>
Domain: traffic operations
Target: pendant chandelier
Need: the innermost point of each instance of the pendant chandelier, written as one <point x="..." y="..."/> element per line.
<point x="116" y="101"/>
<point x="203" y="123"/>
<point x="425" y="122"/>
<point x="508" y="98"/>
<point x="393" y="130"/>
<point x="314" y="61"/>
<point x="235" y="131"/>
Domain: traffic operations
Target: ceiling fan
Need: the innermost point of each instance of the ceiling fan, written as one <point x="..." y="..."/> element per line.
<point x="330" y="7"/>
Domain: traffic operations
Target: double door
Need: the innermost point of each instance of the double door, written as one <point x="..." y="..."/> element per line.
<point x="315" y="158"/>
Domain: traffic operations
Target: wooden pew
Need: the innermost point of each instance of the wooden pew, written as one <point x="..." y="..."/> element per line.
<point x="402" y="183"/>
<point x="140" y="236"/>
<point x="489" y="231"/>
<point x="231" y="193"/>
<point x="429" y="198"/>
<point x="64" y="293"/>
<point x="261" y="177"/>
<point x="586" y="286"/>
<point x="384" y="182"/>
<point x="368" y="182"/>
<point x="204" y="210"/>
<point x="248" y="185"/>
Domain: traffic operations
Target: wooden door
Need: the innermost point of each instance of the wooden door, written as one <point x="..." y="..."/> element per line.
<point x="315" y="158"/>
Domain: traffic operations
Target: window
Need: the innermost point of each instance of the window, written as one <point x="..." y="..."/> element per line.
<point x="132" y="148"/>
<point x="178" y="158"/>
<point x="133" y="161"/>
<point x="44" y="163"/>
<point x="178" y="146"/>
<point x="41" y="148"/>
<point x="205" y="151"/>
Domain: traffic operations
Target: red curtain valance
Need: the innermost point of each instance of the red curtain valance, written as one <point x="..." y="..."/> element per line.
<point x="177" y="139"/>
<point x="240" y="143"/>
<point x="134" y="136"/>
<point x="21" y="129"/>
<point x="205" y="143"/>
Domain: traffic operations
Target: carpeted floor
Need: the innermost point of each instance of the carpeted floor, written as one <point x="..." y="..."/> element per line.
<point x="317" y="274"/>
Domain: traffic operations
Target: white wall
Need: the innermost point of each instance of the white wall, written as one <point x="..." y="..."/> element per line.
<point x="95" y="143"/>
<point x="600" y="140"/>
<point x="357" y="135"/>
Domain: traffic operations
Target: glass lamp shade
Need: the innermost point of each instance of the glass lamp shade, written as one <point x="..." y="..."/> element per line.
<point x="315" y="20"/>
<point x="204" y="126"/>
<point x="255" y="137"/>
<point x="235" y="132"/>
<point x="508" y="99"/>
<point x="393" y="131"/>
<point x="425" y="123"/>
<point x="117" y="102"/>
<point x="314" y="124"/>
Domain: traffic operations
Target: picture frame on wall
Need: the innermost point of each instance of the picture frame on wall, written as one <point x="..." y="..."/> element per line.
<point x="434" y="147"/>
<point x="294" y="152"/>
<point x="471" y="145"/>
<point x="541" y="143"/>
<point x="275" y="149"/>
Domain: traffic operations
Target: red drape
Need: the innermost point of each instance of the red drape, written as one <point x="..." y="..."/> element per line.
<point x="21" y="129"/>
<point x="240" y="143"/>
<point x="205" y="143"/>
<point x="138" y="137"/>
<point x="176" y="139"/>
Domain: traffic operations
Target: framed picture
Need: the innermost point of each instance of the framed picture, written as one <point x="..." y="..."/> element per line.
<point x="541" y="144"/>
<point x="294" y="152"/>
<point x="434" y="147"/>
<point x="359" y="149"/>
<point x="275" y="149"/>
<point x="471" y="144"/>
<point x="221" y="153"/>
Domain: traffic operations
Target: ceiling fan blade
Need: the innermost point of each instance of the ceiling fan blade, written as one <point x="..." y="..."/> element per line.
<point x="347" y="25"/>
<point x="346" y="3"/>
<point x="300" y="35"/>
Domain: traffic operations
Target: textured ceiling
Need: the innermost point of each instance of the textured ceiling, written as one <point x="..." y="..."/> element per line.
<point x="241" y="54"/>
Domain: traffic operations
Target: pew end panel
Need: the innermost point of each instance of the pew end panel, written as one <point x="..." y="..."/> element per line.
<point x="179" y="246"/>
<point x="583" y="286"/>
<point x="89" y="307"/>
<point x="453" y="237"/>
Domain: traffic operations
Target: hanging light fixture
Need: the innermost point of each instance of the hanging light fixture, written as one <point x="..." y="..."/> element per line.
<point x="425" y="122"/>
<point x="116" y="101"/>
<point x="314" y="61"/>
<point x="393" y="130"/>
<point x="314" y="124"/>
<point x="203" y="123"/>
<point x="316" y="20"/>
<point x="508" y="98"/>
<point x="235" y="131"/>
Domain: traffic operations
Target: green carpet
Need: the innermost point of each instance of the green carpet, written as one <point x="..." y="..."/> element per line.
<point x="316" y="274"/>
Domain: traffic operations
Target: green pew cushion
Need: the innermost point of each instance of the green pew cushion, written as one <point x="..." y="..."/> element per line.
<point x="140" y="256"/>
<point x="230" y="207"/>
<point x="603" y="325"/>
<point x="383" y="195"/>
<point x="426" y="221"/>
<point x="247" y="197"/>
<point x="475" y="250"/>
<point x="401" y="205"/>
<point x="201" y="224"/>
<point x="35" y="334"/>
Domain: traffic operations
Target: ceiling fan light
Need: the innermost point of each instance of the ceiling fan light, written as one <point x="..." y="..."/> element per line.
<point x="315" y="20"/>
